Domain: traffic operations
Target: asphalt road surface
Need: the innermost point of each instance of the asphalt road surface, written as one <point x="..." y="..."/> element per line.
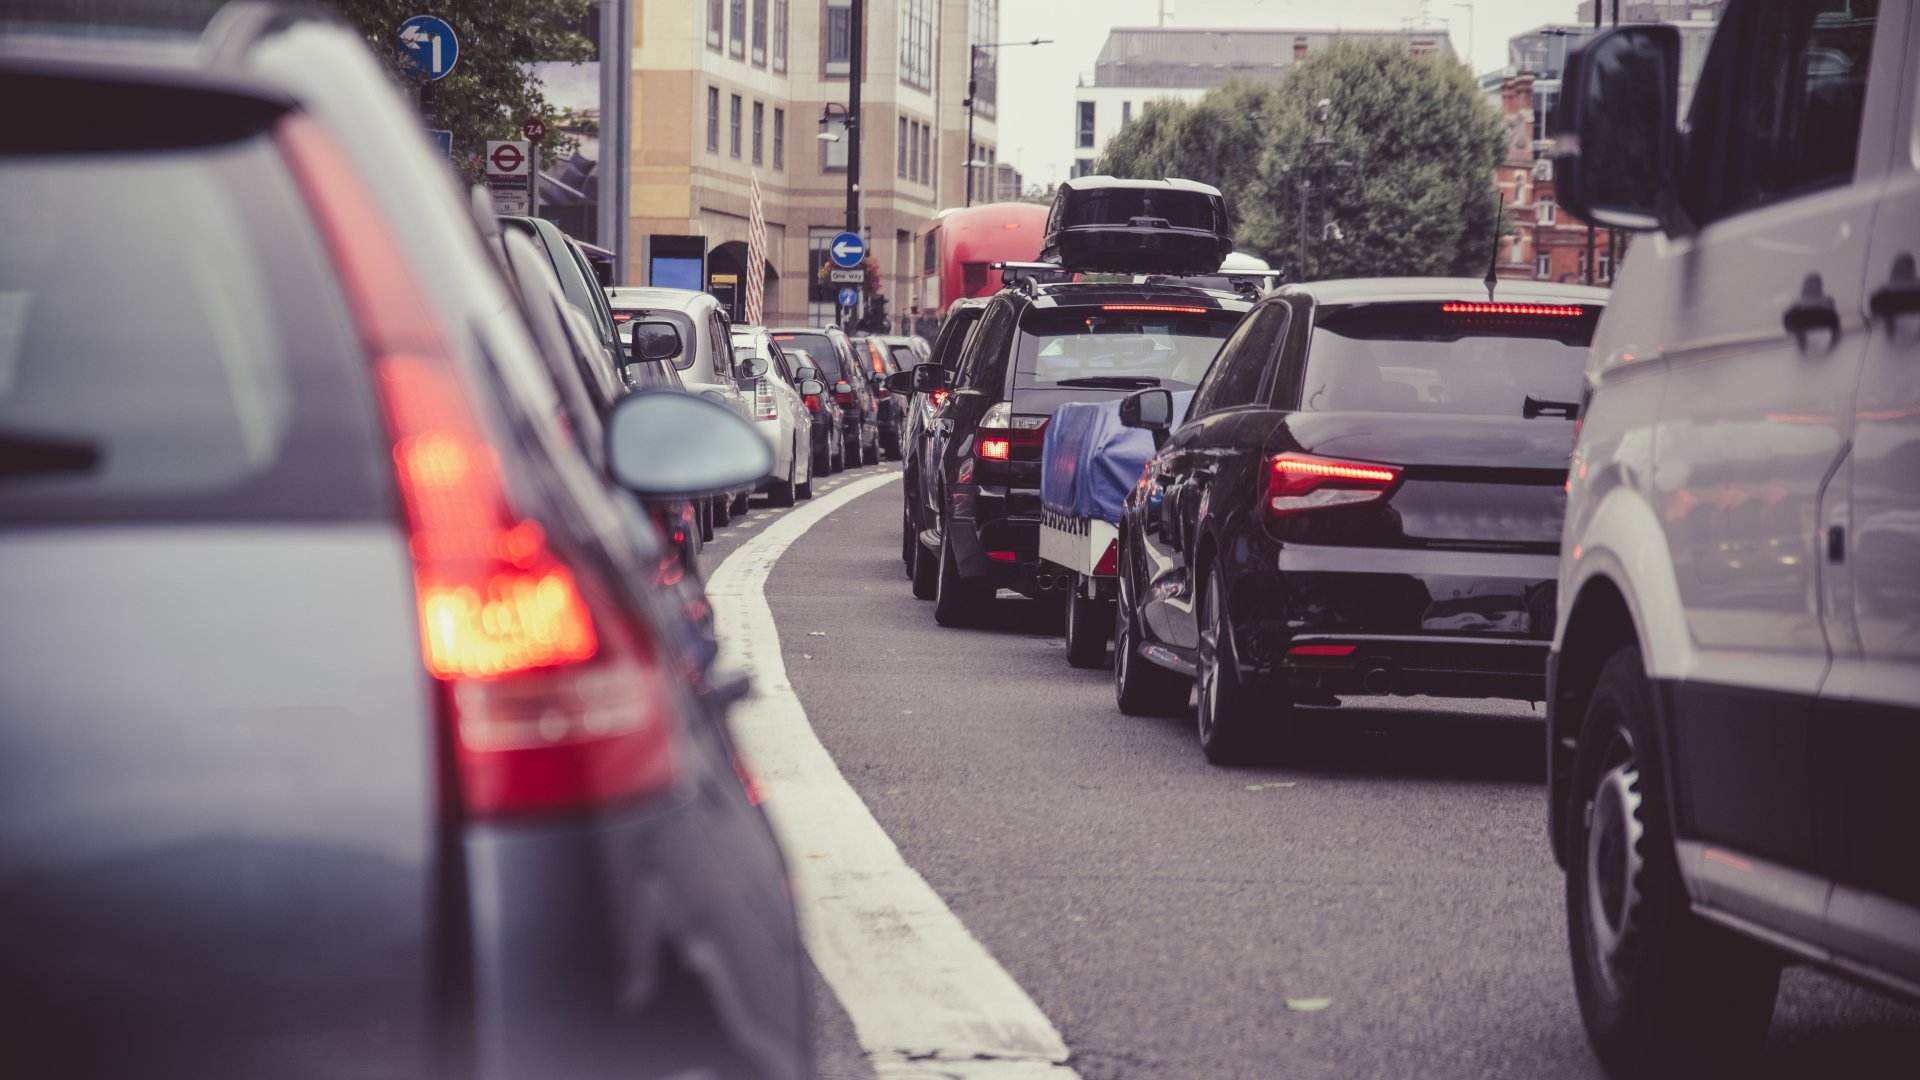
<point x="1379" y="903"/>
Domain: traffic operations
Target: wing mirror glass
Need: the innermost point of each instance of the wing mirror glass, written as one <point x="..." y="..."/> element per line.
<point x="806" y="373"/>
<point x="654" y="341"/>
<point x="671" y="443"/>
<point x="929" y="377"/>
<point x="1151" y="410"/>
<point x="1615" y="133"/>
<point x="811" y="387"/>
<point x="900" y="382"/>
<point x="751" y="368"/>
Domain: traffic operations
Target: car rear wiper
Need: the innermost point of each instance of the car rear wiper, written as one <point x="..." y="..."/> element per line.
<point x="32" y="455"/>
<point x="1120" y="382"/>
<point x="1543" y="407"/>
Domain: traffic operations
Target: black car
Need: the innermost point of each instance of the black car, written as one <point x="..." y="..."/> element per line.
<point x="1037" y="347"/>
<point x="831" y="353"/>
<point x="916" y="434"/>
<point x="885" y="355"/>
<point x="1364" y="498"/>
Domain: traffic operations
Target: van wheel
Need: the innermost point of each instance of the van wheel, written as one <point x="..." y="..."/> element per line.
<point x="1662" y="991"/>
<point x="1089" y="623"/>
<point x="1140" y="686"/>
<point x="1228" y="716"/>
<point x="956" y="601"/>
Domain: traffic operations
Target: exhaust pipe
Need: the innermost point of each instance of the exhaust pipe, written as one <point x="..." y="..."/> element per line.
<point x="1378" y="681"/>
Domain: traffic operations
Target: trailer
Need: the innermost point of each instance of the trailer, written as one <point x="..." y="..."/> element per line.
<point x="1089" y="462"/>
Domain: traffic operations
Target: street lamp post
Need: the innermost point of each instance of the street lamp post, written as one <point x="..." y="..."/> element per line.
<point x="851" y="122"/>
<point x="973" y="90"/>
<point x="1314" y="172"/>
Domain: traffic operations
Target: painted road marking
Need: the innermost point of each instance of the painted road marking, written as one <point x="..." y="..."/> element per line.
<point x="926" y="998"/>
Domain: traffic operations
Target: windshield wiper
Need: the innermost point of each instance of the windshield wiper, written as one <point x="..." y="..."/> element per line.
<point x="33" y="455"/>
<point x="1119" y="382"/>
<point x="1534" y="406"/>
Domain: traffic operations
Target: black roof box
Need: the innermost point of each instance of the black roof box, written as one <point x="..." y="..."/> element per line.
<point x="1109" y="225"/>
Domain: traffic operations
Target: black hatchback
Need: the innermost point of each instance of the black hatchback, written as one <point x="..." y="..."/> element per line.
<point x="1364" y="498"/>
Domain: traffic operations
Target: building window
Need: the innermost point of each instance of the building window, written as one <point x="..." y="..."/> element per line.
<point x="733" y="138"/>
<point x="1605" y="263"/>
<point x="1126" y="113"/>
<point x="916" y="43"/>
<point x="926" y="153"/>
<point x="1083" y="166"/>
<point x="760" y="33"/>
<point x="833" y="152"/>
<point x="984" y="29"/>
<point x="839" y="26"/>
<point x="779" y="36"/>
<point x="713" y="119"/>
<point x="1543" y="212"/>
<point x="759" y="129"/>
<point x="1299" y="49"/>
<point x="900" y="144"/>
<point x="716" y="19"/>
<point x="820" y="294"/>
<point x="737" y="29"/>
<point x="779" y="138"/>
<point x="1086" y="125"/>
<point x="1544" y="102"/>
<point x="1543" y="266"/>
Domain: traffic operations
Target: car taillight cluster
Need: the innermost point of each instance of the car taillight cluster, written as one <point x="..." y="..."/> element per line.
<point x="1302" y="483"/>
<point x="843" y="392"/>
<point x="555" y="699"/>
<point x="812" y="402"/>
<point x="1001" y="432"/>
<point x="763" y="407"/>
<point x="940" y="398"/>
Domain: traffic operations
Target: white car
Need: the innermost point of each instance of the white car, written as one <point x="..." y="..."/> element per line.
<point x="778" y="401"/>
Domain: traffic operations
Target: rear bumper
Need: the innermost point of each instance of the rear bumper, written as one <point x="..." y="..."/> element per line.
<point x="995" y="533"/>
<point x="1445" y="623"/>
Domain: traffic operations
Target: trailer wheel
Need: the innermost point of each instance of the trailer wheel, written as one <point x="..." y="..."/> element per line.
<point x="1089" y="625"/>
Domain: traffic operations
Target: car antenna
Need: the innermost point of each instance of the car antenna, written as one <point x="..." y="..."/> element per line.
<point x="1493" y="257"/>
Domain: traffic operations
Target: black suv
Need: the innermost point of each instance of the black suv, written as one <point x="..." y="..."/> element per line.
<point x="1035" y="349"/>
<point x="917" y="445"/>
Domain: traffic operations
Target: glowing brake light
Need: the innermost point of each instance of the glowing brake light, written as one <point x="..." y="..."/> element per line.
<point x="940" y="397"/>
<point x="996" y="449"/>
<point x="1165" y="309"/>
<point x="1301" y="483"/>
<point x="1000" y="431"/>
<point x="1550" y="311"/>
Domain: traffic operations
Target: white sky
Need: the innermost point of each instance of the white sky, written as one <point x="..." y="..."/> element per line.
<point x="1036" y="84"/>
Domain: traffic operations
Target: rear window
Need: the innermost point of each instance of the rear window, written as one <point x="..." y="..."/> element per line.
<point x="173" y="344"/>
<point x="1523" y="359"/>
<point x="812" y="350"/>
<point x="1120" y="345"/>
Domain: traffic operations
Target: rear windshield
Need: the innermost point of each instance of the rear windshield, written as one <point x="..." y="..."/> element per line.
<point x="1164" y="345"/>
<point x="1425" y="358"/>
<point x="812" y="350"/>
<point x="173" y="343"/>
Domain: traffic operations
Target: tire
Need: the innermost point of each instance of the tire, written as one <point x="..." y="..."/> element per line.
<point x="1140" y="686"/>
<point x="926" y="571"/>
<point x="1229" y="717"/>
<point x="740" y="503"/>
<point x="1663" y="992"/>
<point x="722" y="510"/>
<point x="907" y="544"/>
<point x="1089" y="625"/>
<point x="704" y="511"/>
<point x="850" y="451"/>
<point x="870" y="453"/>
<point x="781" y="493"/>
<point x="822" y="464"/>
<point x="956" y="601"/>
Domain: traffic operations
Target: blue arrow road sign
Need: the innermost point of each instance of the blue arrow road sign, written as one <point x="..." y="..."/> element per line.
<point x="847" y="250"/>
<point x="849" y="296"/>
<point x="429" y="45"/>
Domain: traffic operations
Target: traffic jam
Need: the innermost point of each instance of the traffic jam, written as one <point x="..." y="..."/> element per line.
<point x="424" y="659"/>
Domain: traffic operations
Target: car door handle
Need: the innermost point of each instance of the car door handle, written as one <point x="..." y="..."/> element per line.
<point x="1814" y="310"/>
<point x="1900" y="295"/>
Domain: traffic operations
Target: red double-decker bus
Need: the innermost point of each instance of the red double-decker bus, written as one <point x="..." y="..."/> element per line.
<point x="958" y="247"/>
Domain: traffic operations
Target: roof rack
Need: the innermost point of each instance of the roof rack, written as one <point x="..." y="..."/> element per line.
<point x="1025" y="275"/>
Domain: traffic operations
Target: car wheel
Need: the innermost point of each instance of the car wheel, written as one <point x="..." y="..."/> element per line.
<point x="1227" y="713"/>
<point x="781" y="492"/>
<point x="956" y="601"/>
<point x="740" y="503"/>
<point x="926" y="571"/>
<point x="1662" y="991"/>
<point x="1089" y="624"/>
<point x="870" y="453"/>
<point x="906" y="533"/>
<point x="705" y="513"/>
<point x="722" y="510"/>
<point x="850" y="452"/>
<point x="1140" y="686"/>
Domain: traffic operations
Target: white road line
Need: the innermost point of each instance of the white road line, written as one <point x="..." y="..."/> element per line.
<point x="928" y="1002"/>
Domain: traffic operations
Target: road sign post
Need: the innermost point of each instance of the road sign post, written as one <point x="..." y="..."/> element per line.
<point x="429" y="46"/>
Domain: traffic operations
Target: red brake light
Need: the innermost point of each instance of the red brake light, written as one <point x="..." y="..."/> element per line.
<point x="812" y="402"/>
<point x="550" y="708"/>
<point x="1299" y="483"/>
<point x="1173" y="309"/>
<point x="940" y="397"/>
<point x="1003" y="556"/>
<point x="1322" y="650"/>
<point x="1553" y="311"/>
<point x="996" y="449"/>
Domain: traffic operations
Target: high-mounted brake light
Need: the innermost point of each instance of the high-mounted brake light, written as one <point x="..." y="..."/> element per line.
<point x="554" y="699"/>
<point x="1301" y="483"/>
<point x="1551" y="311"/>
<point x="1169" y="309"/>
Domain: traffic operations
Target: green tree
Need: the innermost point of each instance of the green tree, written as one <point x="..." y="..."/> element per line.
<point x="1417" y="141"/>
<point x="491" y="91"/>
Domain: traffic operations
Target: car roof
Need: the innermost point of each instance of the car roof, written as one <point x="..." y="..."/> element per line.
<point x="1091" y="293"/>
<point x="652" y="296"/>
<point x="1358" y="290"/>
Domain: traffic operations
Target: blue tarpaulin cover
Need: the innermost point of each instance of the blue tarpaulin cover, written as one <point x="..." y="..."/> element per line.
<point x="1088" y="461"/>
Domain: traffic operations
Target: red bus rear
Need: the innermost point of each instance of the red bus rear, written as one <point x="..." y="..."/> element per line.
<point x="959" y="245"/>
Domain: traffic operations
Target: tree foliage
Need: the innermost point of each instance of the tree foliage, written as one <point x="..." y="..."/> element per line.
<point x="1418" y="142"/>
<point x="490" y="92"/>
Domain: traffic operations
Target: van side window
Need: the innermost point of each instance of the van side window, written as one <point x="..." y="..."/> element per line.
<point x="1777" y="112"/>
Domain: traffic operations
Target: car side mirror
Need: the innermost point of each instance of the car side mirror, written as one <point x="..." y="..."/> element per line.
<point x="901" y="382"/>
<point x="811" y="387"/>
<point x="654" y="341"/>
<point x="1151" y="410"/>
<point x="806" y="373"/>
<point x="843" y="387"/>
<point x="1615" y="135"/>
<point x="751" y="368"/>
<point x="663" y="443"/>
<point x="929" y="377"/>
